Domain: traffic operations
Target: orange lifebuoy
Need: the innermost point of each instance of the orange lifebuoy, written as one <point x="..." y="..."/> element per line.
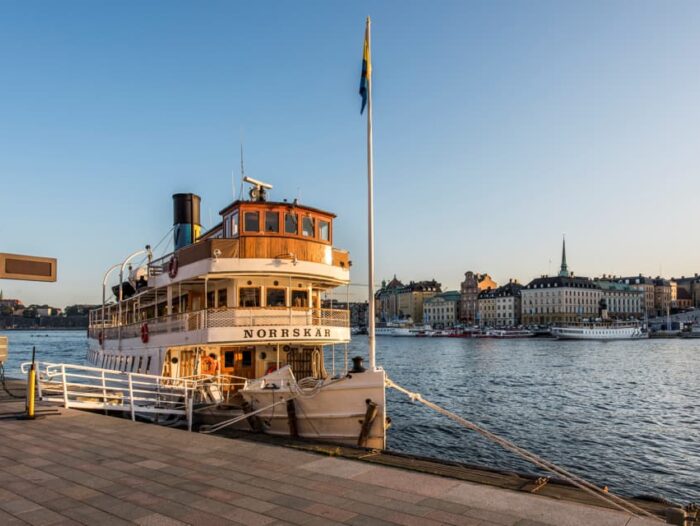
<point x="172" y="267"/>
<point x="210" y="365"/>
<point x="144" y="333"/>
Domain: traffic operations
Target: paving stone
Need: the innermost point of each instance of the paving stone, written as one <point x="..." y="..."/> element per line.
<point x="330" y="512"/>
<point x="456" y="519"/>
<point x="156" y="519"/>
<point x="41" y="517"/>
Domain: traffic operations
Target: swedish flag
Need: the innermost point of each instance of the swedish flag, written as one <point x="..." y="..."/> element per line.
<point x="366" y="70"/>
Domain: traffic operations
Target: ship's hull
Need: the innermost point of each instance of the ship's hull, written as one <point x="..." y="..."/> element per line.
<point x="333" y="411"/>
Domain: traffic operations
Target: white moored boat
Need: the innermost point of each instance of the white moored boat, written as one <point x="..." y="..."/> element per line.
<point x="600" y="331"/>
<point x="240" y="304"/>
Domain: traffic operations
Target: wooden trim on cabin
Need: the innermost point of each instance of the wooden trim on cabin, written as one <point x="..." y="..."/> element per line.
<point x="264" y="247"/>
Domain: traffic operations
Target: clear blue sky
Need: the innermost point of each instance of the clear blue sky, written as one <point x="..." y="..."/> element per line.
<point x="498" y="126"/>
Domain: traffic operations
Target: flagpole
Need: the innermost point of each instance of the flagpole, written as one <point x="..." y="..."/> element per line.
<point x="370" y="208"/>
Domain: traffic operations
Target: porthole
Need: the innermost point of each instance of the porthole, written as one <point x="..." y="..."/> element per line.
<point x="174" y="360"/>
<point x="250" y="282"/>
<point x="275" y="283"/>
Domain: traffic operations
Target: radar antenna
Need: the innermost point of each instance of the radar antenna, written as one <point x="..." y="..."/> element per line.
<point x="259" y="190"/>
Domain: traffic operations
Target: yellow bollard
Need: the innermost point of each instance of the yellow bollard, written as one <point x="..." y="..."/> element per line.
<point x="31" y="389"/>
<point x="31" y="386"/>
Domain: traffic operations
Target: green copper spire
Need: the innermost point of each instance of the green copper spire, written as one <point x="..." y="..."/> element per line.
<point x="563" y="271"/>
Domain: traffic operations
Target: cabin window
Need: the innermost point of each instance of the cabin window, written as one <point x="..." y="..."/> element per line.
<point x="138" y="370"/>
<point x="148" y="364"/>
<point x="300" y="298"/>
<point x="276" y="297"/>
<point x="234" y="224"/>
<point x="229" y="359"/>
<point x="133" y="362"/>
<point x="272" y="222"/>
<point x="210" y="299"/>
<point x="222" y="298"/>
<point x="307" y="227"/>
<point x="252" y="221"/>
<point x="249" y="296"/>
<point x="246" y="358"/>
<point x="324" y="230"/>
<point x="291" y="223"/>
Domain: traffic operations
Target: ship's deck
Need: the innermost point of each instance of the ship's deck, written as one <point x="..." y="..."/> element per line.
<point x="84" y="468"/>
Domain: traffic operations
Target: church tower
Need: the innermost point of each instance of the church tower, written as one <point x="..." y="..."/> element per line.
<point x="564" y="270"/>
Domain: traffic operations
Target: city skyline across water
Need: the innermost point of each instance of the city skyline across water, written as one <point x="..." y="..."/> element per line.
<point x="497" y="128"/>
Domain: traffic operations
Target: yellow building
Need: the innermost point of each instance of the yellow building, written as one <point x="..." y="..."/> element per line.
<point x="470" y="288"/>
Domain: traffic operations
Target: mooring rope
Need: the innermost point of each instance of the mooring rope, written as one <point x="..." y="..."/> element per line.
<point x="613" y="500"/>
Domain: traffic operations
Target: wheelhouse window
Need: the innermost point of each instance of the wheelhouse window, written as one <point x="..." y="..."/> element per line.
<point x="222" y="299"/>
<point x="291" y="223"/>
<point x="252" y="221"/>
<point x="307" y="227"/>
<point x="249" y="296"/>
<point x="272" y="222"/>
<point x="234" y="224"/>
<point x="276" y="297"/>
<point x="324" y="230"/>
<point x="300" y="298"/>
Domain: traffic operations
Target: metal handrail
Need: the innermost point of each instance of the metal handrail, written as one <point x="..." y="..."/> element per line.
<point x="231" y="317"/>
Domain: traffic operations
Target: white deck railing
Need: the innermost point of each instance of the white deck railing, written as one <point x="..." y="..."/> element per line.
<point x="83" y="387"/>
<point x="227" y="317"/>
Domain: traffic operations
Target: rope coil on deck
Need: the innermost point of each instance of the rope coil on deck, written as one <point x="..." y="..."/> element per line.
<point x="611" y="499"/>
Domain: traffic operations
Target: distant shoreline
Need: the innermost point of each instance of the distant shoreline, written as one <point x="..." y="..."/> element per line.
<point x="42" y="329"/>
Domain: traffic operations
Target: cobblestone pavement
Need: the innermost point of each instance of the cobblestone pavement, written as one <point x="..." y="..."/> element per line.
<point x="83" y="468"/>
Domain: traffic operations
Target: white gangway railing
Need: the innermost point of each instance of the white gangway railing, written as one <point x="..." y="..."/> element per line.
<point x="149" y="396"/>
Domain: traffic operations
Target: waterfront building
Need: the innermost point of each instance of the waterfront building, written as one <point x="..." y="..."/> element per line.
<point x="501" y="307"/>
<point x="396" y="301"/>
<point x="691" y="288"/>
<point x="646" y="286"/>
<point x="662" y="296"/>
<point x="386" y="300"/>
<point x="683" y="299"/>
<point x="622" y="301"/>
<point x="442" y="310"/>
<point x="10" y="305"/>
<point x="560" y="299"/>
<point x="470" y="288"/>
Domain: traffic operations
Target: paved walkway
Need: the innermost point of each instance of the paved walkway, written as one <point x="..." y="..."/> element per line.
<point x="81" y="468"/>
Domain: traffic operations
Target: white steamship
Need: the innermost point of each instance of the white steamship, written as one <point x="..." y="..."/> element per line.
<point x="242" y="304"/>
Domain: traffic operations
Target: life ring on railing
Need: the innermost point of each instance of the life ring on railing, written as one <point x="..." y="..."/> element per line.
<point x="209" y="365"/>
<point x="101" y="338"/>
<point x="144" y="333"/>
<point x="271" y="369"/>
<point x="172" y="267"/>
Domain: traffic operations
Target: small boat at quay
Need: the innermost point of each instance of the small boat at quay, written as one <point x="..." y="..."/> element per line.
<point x="693" y="332"/>
<point x="509" y="333"/>
<point x="600" y="331"/>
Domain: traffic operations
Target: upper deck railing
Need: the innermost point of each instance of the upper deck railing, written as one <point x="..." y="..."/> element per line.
<point x="222" y="318"/>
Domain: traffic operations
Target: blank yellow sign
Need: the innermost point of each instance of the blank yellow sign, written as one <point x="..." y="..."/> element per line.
<point x="27" y="268"/>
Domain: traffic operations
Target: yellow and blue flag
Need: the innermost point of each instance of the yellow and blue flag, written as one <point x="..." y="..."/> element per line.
<point x="366" y="70"/>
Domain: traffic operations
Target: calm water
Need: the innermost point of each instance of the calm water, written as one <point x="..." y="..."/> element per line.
<point x="623" y="414"/>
